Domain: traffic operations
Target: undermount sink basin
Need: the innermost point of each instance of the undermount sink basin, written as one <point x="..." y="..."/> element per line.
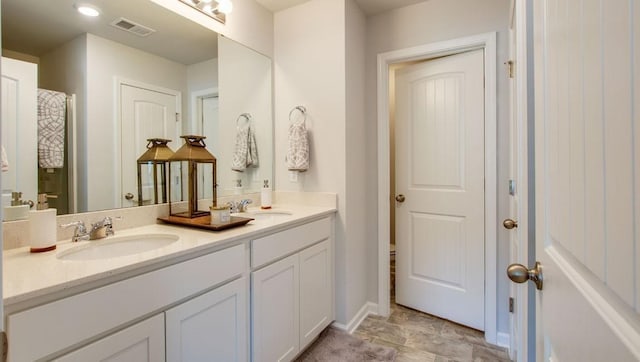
<point x="265" y="214"/>
<point x="116" y="246"/>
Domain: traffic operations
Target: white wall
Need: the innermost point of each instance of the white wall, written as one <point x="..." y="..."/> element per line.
<point x="423" y="23"/>
<point x="357" y="265"/>
<point x="107" y="60"/>
<point x="309" y="63"/>
<point x="249" y="23"/>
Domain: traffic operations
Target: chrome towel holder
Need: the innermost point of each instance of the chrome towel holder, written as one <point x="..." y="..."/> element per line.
<point x="246" y="116"/>
<point x="302" y="111"/>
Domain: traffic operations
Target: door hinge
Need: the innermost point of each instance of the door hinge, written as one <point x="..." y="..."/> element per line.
<point x="511" y="71"/>
<point x="177" y="117"/>
<point x="511" y="305"/>
<point x="4" y="346"/>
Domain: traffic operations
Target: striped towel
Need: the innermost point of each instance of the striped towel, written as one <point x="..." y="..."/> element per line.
<point x="52" y="111"/>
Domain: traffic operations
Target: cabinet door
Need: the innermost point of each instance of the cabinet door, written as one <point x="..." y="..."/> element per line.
<point x="275" y="301"/>
<point x="211" y="327"/>
<point x="316" y="291"/>
<point x="141" y="342"/>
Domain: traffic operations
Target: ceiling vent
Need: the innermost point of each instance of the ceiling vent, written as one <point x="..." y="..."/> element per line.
<point x="132" y="27"/>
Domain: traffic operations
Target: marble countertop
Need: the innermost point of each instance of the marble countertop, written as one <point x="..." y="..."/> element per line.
<point x="28" y="276"/>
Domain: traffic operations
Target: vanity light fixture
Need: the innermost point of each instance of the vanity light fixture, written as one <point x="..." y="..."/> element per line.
<point x="217" y="9"/>
<point x="88" y="10"/>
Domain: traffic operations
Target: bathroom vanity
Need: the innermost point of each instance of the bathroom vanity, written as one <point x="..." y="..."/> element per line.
<point x="261" y="292"/>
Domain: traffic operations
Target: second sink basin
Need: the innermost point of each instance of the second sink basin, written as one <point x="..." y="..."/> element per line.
<point x="117" y="246"/>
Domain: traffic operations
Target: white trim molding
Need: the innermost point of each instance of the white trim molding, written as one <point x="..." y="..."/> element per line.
<point x="503" y="340"/>
<point x="487" y="42"/>
<point x="367" y="309"/>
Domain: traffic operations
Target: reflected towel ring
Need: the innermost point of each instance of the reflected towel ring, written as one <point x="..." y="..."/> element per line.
<point x="247" y="117"/>
<point x="302" y="110"/>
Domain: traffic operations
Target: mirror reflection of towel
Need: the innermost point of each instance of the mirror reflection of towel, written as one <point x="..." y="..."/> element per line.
<point x="5" y="160"/>
<point x="246" y="150"/>
<point x="52" y="110"/>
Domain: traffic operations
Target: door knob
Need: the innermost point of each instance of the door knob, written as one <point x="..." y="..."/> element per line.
<point x="400" y="198"/>
<point x="509" y="224"/>
<point x="128" y="196"/>
<point x="519" y="273"/>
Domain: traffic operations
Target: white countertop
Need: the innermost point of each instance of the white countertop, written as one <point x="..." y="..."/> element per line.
<point x="27" y="276"/>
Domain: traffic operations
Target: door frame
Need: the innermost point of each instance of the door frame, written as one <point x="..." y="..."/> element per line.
<point x="521" y="122"/>
<point x="196" y="98"/>
<point x="487" y="42"/>
<point x="119" y="82"/>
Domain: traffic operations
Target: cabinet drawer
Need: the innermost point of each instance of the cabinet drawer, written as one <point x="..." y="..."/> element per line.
<point x="55" y="326"/>
<point x="141" y="342"/>
<point x="272" y="247"/>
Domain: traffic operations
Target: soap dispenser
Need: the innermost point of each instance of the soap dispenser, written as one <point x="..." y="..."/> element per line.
<point x="42" y="226"/>
<point x="265" y="196"/>
<point x="19" y="210"/>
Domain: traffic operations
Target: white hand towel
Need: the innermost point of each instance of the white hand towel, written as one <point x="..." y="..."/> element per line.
<point x="252" y="156"/>
<point x="298" y="151"/>
<point x="246" y="150"/>
<point x="52" y="112"/>
<point x="5" y="160"/>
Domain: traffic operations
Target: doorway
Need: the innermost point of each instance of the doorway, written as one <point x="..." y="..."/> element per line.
<point x="487" y="43"/>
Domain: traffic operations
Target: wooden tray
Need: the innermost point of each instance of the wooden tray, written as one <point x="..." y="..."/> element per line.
<point x="204" y="222"/>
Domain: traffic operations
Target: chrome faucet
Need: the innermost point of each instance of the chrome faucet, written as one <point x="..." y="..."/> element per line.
<point x="238" y="206"/>
<point x="102" y="228"/>
<point x="80" y="233"/>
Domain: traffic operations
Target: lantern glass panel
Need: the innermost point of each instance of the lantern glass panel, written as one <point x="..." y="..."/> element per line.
<point x="152" y="172"/>
<point x="192" y="174"/>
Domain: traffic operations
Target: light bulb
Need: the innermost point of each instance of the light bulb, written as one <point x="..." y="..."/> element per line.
<point x="225" y="6"/>
<point x="88" y="10"/>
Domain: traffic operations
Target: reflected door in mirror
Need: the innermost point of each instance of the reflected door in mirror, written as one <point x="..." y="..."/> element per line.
<point x="145" y="114"/>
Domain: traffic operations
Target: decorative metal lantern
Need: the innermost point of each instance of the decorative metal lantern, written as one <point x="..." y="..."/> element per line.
<point x="189" y="170"/>
<point x="152" y="169"/>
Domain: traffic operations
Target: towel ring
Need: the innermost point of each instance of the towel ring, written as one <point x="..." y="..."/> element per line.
<point x="247" y="117"/>
<point x="302" y="110"/>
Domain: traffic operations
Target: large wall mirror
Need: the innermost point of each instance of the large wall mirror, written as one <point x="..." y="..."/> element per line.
<point x="102" y="86"/>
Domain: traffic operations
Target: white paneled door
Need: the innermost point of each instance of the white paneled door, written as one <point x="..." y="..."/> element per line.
<point x="145" y="114"/>
<point x="440" y="187"/>
<point x="587" y="154"/>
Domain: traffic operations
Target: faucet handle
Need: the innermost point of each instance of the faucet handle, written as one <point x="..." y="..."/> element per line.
<point x="107" y="223"/>
<point x="243" y="204"/>
<point x="80" y="227"/>
<point x="80" y="232"/>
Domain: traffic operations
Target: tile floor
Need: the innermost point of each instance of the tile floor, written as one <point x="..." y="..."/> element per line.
<point x="421" y="337"/>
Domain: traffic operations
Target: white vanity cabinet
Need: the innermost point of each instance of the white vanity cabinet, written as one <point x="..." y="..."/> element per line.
<point x="51" y="329"/>
<point x="143" y="341"/>
<point x="210" y="327"/>
<point x="292" y="289"/>
<point x="275" y="297"/>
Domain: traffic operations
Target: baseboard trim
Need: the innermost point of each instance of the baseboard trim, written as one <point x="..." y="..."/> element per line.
<point x="366" y="310"/>
<point x="503" y="340"/>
